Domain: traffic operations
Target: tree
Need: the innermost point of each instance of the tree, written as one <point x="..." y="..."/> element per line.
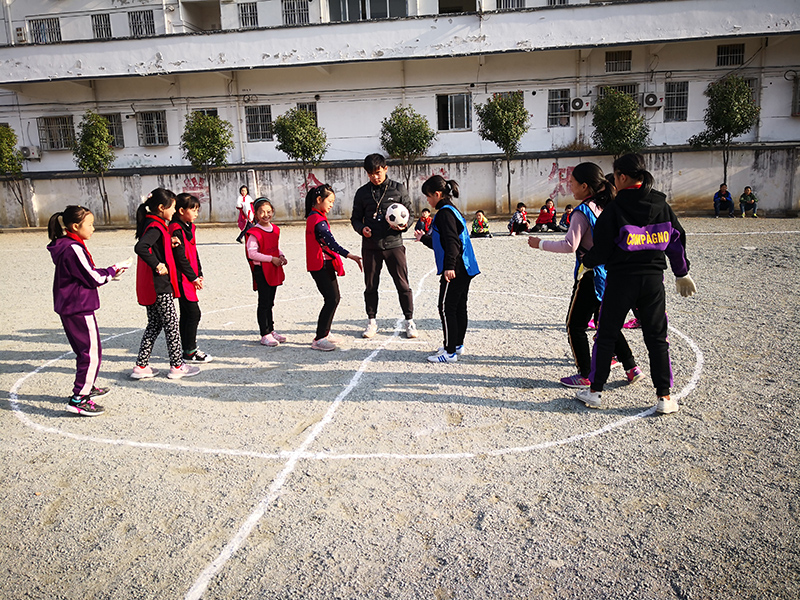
<point x="619" y="128"/>
<point x="300" y="138"/>
<point x="503" y="120"/>
<point x="407" y="135"/>
<point x="11" y="166"/>
<point x="206" y="142"/>
<point x="94" y="153"/>
<point x="731" y="112"/>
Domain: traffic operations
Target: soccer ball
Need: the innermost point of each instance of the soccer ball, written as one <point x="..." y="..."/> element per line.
<point x="397" y="214"/>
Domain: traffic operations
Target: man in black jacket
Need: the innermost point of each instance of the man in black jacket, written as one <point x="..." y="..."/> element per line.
<point x="382" y="242"/>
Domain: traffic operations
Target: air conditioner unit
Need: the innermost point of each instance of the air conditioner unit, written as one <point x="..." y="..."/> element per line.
<point x="31" y="152"/>
<point x="580" y="104"/>
<point x="652" y="100"/>
<point x="22" y="35"/>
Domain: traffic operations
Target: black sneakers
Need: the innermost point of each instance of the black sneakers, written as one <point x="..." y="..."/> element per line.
<point x="84" y="406"/>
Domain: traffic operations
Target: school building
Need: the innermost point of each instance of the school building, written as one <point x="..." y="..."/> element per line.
<point x="148" y="64"/>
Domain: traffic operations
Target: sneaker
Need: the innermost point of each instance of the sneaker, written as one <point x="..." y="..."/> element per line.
<point x="634" y="374"/>
<point x="84" y="406"/>
<point x="575" y="381"/>
<point x="589" y="398"/>
<point x="411" y="328"/>
<point x="632" y="324"/>
<point x="743" y="215"/>
<point x="143" y="372"/>
<point x="755" y="216"/>
<point x="185" y="370"/>
<point x="323" y="345"/>
<point x="732" y="216"/>
<point x="459" y="350"/>
<point x="371" y="330"/>
<point x="591" y="324"/>
<point x="615" y="363"/>
<point x="278" y="336"/>
<point x="269" y="340"/>
<point x="666" y="405"/>
<point x="197" y="356"/>
<point x="97" y="392"/>
<point x="444" y="357"/>
<point x="333" y="339"/>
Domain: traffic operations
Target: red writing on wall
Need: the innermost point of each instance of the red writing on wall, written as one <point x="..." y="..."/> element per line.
<point x="197" y="187"/>
<point x="561" y="177"/>
<point x="310" y="182"/>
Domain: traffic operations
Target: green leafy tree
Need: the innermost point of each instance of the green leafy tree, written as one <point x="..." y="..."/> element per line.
<point x="619" y="127"/>
<point x="206" y="142"/>
<point x="731" y="112"/>
<point x="503" y="120"/>
<point x="407" y="135"/>
<point x="94" y="153"/>
<point x="300" y="138"/>
<point x="11" y="166"/>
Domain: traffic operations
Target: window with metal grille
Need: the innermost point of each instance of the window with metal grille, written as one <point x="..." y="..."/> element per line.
<point x="295" y="12"/>
<point x="730" y="54"/>
<point x="558" y="108"/>
<point x="309" y="107"/>
<point x="510" y="4"/>
<point x="753" y="85"/>
<point x="618" y="61"/>
<point x="454" y="112"/>
<point x="152" y="128"/>
<point x="676" y="101"/>
<point x="360" y="10"/>
<point x="101" y="26"/>
<point x="632" y="89"/>
<point x="56" y="133"/>
<point x="209" y="112"/>
<point x="258" y="121"/>
<point x="141" y="23"/>
<point x="556" y="2"/>
<point x="115" y="129"/>
<point x="248" y="15"/>
<point x="45" y="31"/>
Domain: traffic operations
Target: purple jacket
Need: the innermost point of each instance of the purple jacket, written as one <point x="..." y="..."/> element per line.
<point x="76" y="279"/>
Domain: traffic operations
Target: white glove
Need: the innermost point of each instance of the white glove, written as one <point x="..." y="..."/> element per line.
<point x="685" y="286"/>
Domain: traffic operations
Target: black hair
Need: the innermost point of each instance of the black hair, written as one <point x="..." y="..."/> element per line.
<point x="723" y="183"/>
<point x="321" y="191"/>
<point x="60" y="222"/>
<point x="186" y="201"/>
<point x="480" y="211"/>
<point x="260" y="202"/>
<point x="437" y="183"/>
<point x="633" y="166"/>
<point x="568" y="206"/>
<point x="520" y="205"/>
<point x="426" y="210"/>
<point x="373" y="162"/>
<point x="592" y="175"/>
<point x="244" y="187"/>
<point x="157" y="198"/>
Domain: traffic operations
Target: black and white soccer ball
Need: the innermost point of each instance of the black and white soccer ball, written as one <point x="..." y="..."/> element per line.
<point x="397" y="214"/>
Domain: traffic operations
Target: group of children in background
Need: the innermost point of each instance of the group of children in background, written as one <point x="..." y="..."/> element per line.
<point x="169" y="267"/>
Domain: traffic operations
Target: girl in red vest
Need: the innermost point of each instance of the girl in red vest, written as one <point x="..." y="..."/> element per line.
<point x="157" y="284"/>
<point x="323" y="260"/>
<point x="190" y="274"/>
<point x="266" y="263"/>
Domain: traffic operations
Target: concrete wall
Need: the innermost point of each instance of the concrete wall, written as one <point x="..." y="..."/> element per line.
<point x="688" y="178"/>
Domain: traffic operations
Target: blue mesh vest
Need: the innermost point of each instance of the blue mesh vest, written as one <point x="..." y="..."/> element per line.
<point x="600" y="270"/>
<point x="467" y="254"/>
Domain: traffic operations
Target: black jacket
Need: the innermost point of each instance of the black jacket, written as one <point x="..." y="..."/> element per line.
<point x="369" y="210"/>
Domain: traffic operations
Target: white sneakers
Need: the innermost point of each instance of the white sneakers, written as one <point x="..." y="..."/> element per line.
<point x="411" y="329"/>
<point x="666" y="405"/>
<point x="371" y="330"/>
<point x="589" y="398"/>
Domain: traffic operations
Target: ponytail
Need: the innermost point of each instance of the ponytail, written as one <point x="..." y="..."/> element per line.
<point x="60" y="222"/>
<point x="633" y="166"/>
<point x="157" y="198"/>
<point x="437" y="183"/>
<point x="321" y="191"/>
<point x="592" y="175"/>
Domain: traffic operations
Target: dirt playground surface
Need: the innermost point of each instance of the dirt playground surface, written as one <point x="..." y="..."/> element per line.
<point x="287" y="473"/>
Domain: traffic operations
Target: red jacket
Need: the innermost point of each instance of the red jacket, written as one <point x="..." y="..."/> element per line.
<point x="145" y="288"/>
<point x="315" y="253"/>
<point x="267" y="244"/>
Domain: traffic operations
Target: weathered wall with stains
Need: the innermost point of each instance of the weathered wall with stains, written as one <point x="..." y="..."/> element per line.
<point x="688" y="178"/>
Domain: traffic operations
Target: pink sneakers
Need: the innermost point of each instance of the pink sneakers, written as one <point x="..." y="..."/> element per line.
<point x="184" y="370"/>
<point x="143" y="372"/>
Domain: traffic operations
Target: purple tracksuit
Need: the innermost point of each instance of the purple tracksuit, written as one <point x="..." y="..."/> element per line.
<point x="75" y="299"/>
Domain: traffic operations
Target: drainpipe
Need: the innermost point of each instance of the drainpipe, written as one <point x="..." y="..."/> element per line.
<point x="9" y="25"/>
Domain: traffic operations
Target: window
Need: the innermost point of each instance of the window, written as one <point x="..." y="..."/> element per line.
<point x="152" y="128"/>
<point x="56" y="133"/>
<point x="209" y="112"/>
<point x="141" y="23"/>
<point x="309" y="107"/>
<point x="295" y="12"/>
<point x="731" y="54"/>
<point x="558" y="108"/>
<point x="454" y="112"/>
<point x="115" y="129"/>
<point x="753" y="85"/>
<point x="359" y="10"/>
<point x="45" y="31"/>
<point x="101" y="26"/>
<point x="618" y="61"/>
<point x="676" y="101"/>
<point x="248" y="15"/>
<point x="510" y="4"/>
<point x="556" y="2"/>
<point x="258" y="120"/>
<point x="632" y="89"/>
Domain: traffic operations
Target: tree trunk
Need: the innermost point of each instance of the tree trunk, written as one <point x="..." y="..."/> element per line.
<point x="508" y="181"/>
<point x="16" y="189"/>
<point x="726" y="149"/>
<point x="208" y="185"/>
<point x="101" y="183"/>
